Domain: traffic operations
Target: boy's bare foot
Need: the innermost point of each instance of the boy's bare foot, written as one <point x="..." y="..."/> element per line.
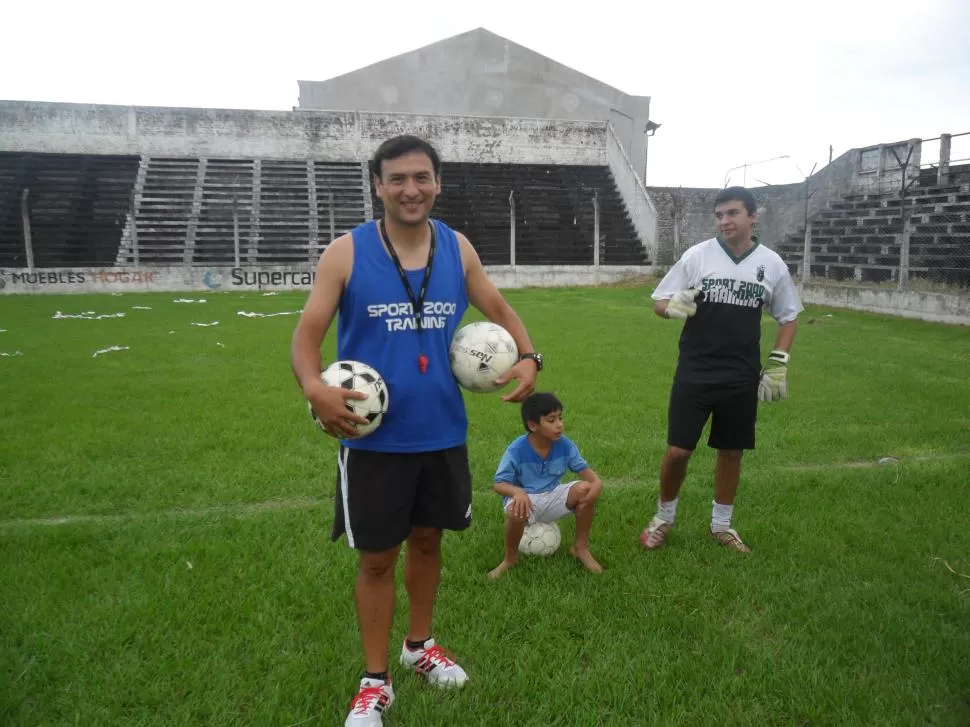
<point x="586" y="558"/>
<point x="501" y="568"/>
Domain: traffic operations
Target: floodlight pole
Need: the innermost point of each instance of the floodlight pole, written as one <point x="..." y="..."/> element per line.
<point x="745" y="166"/>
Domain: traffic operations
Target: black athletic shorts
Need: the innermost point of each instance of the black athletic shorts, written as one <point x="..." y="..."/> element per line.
<point x="734" y="410"/>
<point x="382" y="495"/>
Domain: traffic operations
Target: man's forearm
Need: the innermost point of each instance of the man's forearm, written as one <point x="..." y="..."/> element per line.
<point x="507" y="489"/>
<point x="511" y="322"/>
<point x="786" y="336"/>
<point x="305" y="359"/>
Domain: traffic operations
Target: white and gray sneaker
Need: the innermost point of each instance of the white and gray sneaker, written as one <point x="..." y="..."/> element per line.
<point x="730" y="539"/>
<point x="436" y="664"/>
<point x="373" y="699"/>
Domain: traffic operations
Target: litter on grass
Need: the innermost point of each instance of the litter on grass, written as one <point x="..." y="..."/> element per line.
<point x="950" y="568"/>
<point x="87" y="315"/>
<point x="248" y="314"/>
<point x="109" y="349"/>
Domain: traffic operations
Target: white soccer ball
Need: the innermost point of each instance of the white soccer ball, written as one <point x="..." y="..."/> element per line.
<point x="481" y="352"/>
<point x="540" y="539"/>
<point x="358" y="377"/>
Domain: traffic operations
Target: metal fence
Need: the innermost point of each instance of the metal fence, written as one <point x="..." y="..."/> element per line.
<point x="914" y="238"/>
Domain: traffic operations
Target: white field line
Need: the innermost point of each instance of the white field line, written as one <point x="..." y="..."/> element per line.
<point x="304" y="503"/>
<point x="296" y="503"/>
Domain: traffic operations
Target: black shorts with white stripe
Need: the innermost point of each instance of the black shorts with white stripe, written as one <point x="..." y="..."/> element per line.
<point x="733" y="411"/>
<point x="382" y="495"/>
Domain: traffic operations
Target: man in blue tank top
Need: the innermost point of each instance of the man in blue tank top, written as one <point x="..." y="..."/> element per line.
<point x="401" y="285"/>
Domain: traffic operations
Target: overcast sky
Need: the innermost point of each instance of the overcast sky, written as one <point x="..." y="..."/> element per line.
<point x="731" y="82"/>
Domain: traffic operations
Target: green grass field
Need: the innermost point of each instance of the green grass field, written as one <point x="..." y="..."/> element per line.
<point x="165" y="514"/>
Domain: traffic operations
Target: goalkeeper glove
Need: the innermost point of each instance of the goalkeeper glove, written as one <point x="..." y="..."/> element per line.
<point x="683" y="304"/>
<point x="774" y="377"/>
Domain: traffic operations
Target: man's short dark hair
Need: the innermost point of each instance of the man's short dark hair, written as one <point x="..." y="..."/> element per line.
<point x="398" y="146"/>
<point x="737" y="194"/>
<point x="538" y="405"/>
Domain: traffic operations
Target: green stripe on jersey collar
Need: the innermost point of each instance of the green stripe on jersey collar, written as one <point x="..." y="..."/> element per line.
<point x="736" y="259"/>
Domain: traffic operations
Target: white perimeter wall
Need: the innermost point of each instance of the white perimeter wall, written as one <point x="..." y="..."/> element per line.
<point x="938" y="307"/>
<point x="346" y="136"/>
<point x="293" y="277"/>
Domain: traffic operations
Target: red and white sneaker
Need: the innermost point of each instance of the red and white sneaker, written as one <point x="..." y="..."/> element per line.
<point x="436" y="664"/>
<point x="655" y="534"/>
<point x="373" y="699"/>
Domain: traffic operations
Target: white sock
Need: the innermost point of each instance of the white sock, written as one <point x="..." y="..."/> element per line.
<point x="667" y="511"/>
<point x="721" y="517"/>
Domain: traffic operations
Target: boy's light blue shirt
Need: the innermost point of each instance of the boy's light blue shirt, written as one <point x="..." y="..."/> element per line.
<point x="521" y="465"/>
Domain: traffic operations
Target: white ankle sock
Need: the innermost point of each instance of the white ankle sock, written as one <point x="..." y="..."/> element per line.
<point x="721" y="517"/>
<point x="667" y="511"/>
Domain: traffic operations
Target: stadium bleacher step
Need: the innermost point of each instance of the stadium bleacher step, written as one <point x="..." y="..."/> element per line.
<point x="858" y="237"/>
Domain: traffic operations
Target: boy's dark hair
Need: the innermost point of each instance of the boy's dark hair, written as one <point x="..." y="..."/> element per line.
<point x="537" y="406"/>
<point x="737" y="194"/>
<point x="398" y="146"/>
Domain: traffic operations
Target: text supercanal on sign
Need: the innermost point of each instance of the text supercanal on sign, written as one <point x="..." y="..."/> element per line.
<point x="274" y="277"/>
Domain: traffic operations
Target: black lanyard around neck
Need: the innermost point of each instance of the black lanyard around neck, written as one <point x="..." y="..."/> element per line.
<point x="417" y="304"/>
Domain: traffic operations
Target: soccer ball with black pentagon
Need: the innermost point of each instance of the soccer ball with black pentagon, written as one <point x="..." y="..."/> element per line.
<point x="481" y="352"/>
<point x="540" y="539"/>
<point x="358" y="376"/>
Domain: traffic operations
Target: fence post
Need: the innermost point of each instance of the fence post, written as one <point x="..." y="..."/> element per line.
<point x="807" y="249"/>
<point x="807" y="254"/>
<point x="28" y="241"/>
<point x="133" y="218"/>
<point x="512" y="227"/>
<point x="676" y="230"/>
<point x="313" y="212"/>
<point x="904" y="231"/>
<point x="596" y="229"/>
<point x="252" y="251"/>
<point x="333" y="224"/>
<point x="943" y="170"/>
<point x="235" y="232"/>
<point x="904" y="245"/>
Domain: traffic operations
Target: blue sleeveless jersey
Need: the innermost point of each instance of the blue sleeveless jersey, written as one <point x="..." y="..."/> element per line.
<point x="376" y="326"/>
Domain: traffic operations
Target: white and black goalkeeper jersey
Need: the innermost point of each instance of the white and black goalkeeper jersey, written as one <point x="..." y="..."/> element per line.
<point x="721" y="343"/>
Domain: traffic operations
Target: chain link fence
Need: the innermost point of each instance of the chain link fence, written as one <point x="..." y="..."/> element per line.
<point x="914" y="238"/>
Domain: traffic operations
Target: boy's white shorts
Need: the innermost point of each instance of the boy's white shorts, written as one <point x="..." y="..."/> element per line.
<point x="547" y="507"/>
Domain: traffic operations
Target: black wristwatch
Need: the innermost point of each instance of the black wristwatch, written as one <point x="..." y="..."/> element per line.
<point x="537" y="357"/>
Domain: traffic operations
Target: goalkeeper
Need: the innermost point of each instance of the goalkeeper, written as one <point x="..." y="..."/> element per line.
<point x="718" y="288"/>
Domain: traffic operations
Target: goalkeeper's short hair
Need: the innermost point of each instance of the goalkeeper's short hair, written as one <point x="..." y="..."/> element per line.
<point x="737" y="194"/>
